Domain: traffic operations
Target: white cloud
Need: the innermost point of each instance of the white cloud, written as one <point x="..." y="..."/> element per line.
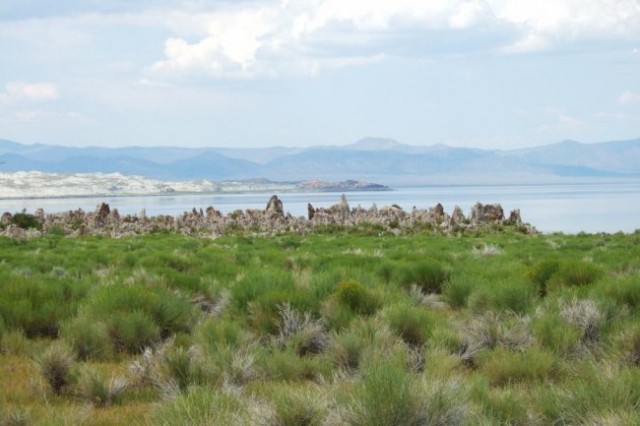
<point x="33" y="92"/>
<point x="273" y="37"/>
<point x="612" y="116"/>
<point x="564" y="124"/>
<point x="20" y="91"/>
<point x="52" y="117"/>
<point x="629" y="97"/>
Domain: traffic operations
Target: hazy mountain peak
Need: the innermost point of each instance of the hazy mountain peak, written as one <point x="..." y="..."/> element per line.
<point x="376" y="144"/>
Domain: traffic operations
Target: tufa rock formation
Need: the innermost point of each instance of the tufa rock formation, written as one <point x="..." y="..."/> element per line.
<point x="274" y="206"/>
<point x="272" y="220"/>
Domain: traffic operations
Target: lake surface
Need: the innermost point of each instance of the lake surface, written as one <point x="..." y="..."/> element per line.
<point x="569" y="208"/>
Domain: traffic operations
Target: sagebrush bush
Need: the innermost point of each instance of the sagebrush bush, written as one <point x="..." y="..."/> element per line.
<point x="584" y="314"/>
<point x="308" y="334"/>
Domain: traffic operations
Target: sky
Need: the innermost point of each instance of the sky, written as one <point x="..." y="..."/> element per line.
<point x="496" y="74"/>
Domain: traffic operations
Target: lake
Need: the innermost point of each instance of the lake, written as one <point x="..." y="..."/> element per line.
<point x="568" y="208"/>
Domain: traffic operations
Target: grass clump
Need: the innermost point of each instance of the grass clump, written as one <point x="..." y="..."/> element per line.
<point x="55" y="366"/>
<point x="298" y="405"/>
<point x="137" y="316"/>
<point x="384" y="397"/>
<point x="412" y="324"/>
<point x="506" y="367"/>
<point x="95" y="387"/>
<point x="457" y="290"/>
<point x="542" y="273"/>
<point x="308" y="335"/>
<point x="502" y="296"/>
<point x="202" y="406"/>
<point x="577" y="273"/>
<point x="90" y="340"/>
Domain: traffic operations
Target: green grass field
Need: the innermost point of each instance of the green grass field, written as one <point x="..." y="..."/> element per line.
<point x="334" y="328"/>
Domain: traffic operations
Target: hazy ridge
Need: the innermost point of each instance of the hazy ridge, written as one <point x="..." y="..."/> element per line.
<point x="373" y="159"/>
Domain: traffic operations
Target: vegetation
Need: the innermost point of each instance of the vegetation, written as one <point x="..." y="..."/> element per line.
<point x="340" y="327"/>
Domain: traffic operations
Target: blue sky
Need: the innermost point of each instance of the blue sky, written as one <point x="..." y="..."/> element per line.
<point x="475" y="73"/>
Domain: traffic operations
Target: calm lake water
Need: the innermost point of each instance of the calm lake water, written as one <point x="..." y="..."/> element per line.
<point x="569" y="208"/>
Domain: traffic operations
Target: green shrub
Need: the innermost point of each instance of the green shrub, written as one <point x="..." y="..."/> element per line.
<point x="503" y="367"/>
<point x="257" y="283"/>
<point x="90" y="340"/>
<point x="133" y="331"/>
<point x="297" y="405"/>
<point x="384" y="397"/>
<point x="38" y="306"/>
<point x="347" y="350"/>
<point x="353" y="294"/>
<point x="183" y="367"/>
<point x="502" y="296"/>
<point x="554" y="334"/>
<point x="625" y="291"/>
<point x="15" y="342"/>
<point x="428" y="275"/>
<point x="286" y="365"/>
<point x="456" y="291"/>
<point x="26" y="221"/>
<point x="594" y="393"/>
<point x="412" y="324"/>
<point x="219" y="333"/>
<point x="443" y="402"/>
<point x="503" y="406"/>
<point x="137" y="316"/>
<point x="575" y="273"/>
<point x="542" y="273"/>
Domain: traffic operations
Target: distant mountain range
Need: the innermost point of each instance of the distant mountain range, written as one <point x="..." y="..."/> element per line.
<point x="372" y="159"/>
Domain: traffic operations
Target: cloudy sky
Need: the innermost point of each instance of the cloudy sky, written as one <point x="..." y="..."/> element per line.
<point x="477" y="73"/>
